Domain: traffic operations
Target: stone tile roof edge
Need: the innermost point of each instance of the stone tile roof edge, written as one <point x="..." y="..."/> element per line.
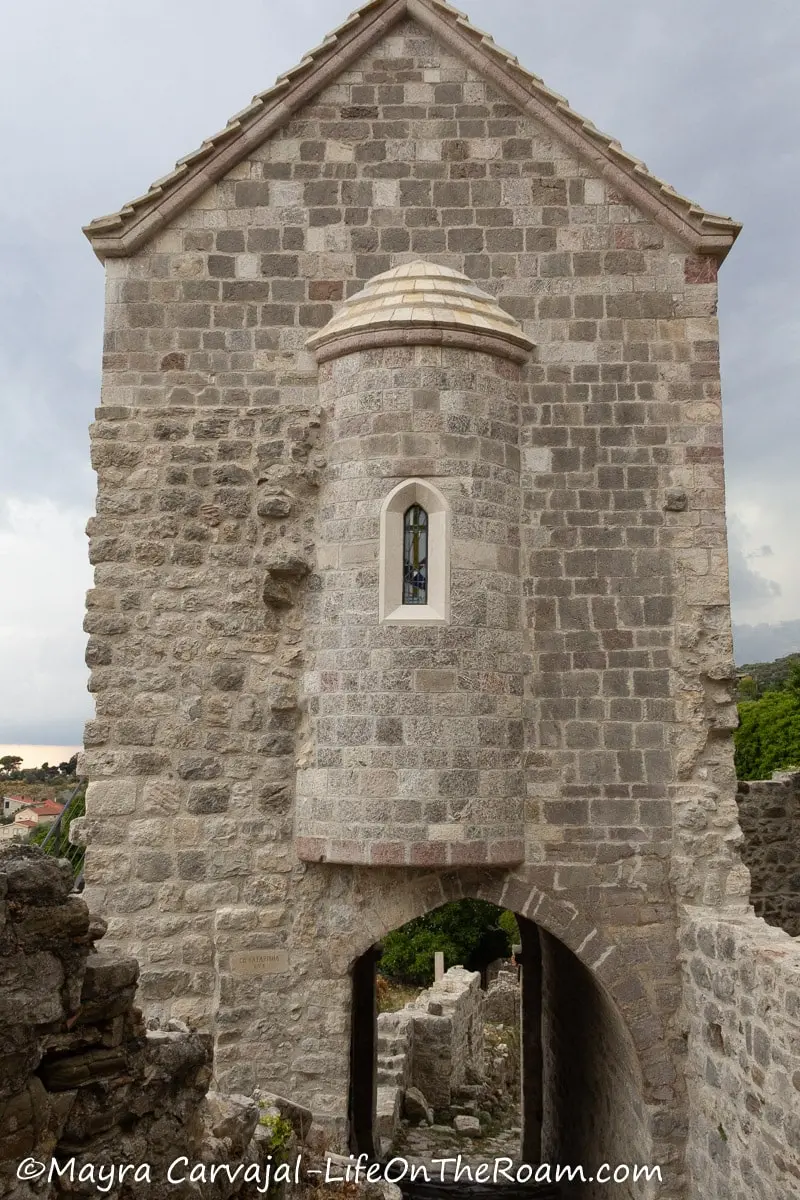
<point x="123" y="232"/>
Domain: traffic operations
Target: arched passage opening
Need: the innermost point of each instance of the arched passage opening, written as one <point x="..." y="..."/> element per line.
<point x="581" y="1098"/>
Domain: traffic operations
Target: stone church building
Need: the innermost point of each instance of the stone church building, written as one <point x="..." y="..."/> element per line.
<point x="411" y="585"/>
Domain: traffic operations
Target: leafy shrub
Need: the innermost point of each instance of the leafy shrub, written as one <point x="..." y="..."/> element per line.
<point x="508" y="922"/>
<point x="470" y="933"/>
<point x="768" y="737"/>
<point x="59" y="844"/>
<point x="280" y="1134"/>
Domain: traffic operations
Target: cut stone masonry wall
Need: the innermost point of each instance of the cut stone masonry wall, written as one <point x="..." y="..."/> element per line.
<point x="743" y="998"/>
<point x="769" y="814"/>
<point x="213" y="455"/>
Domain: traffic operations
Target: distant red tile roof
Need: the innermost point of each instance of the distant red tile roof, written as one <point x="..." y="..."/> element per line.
<point x="39" y="808"/>
<point x="47" y="808"/>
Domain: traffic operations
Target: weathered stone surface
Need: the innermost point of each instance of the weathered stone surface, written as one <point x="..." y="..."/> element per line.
<point x="286" y="563"/>
<point x="31" y="983"/>
<point x="416" y="1107"/>
<point x="769" y="814"/>
<point x="34" y="879"/>
<point x="276" y="593"/>
<point x="743" y="999"/>
<point x="91" y="1083"/>
<point x="468" y="1125"/>
<point x="275" y="505"/>
<point x="299" y="1117"/>
<point x="80" y="1069"/>
<point x="233" y="1118"/>
<point x="502" y="1003"/>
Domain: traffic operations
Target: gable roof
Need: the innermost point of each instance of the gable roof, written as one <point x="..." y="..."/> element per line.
<point x="123" y="232"/>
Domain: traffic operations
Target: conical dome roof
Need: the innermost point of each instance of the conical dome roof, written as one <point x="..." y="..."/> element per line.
<point x="421" y="303"/>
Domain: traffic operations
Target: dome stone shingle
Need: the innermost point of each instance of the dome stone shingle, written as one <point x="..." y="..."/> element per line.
<point x="421" y="303"/>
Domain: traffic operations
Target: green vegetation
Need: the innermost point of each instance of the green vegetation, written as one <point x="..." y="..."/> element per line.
<point x="393" y="995"/>
<point x="468" y="932"/>
<point x="508" y="922"/>
<point x="11" y="769"/>
<point x="280" y="1134"/>
<point x="59" y="844"/>
<point x="768" y="737"/>
<point x="757" y="678"/>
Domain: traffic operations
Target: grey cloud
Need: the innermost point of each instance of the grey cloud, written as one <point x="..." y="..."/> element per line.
<point x="97" y="100"/>
<point x="749" y="587"/>
<point x="762" y="643"/>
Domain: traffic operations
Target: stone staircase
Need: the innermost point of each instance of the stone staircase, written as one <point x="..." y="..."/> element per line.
<point x="392" y="1073"/>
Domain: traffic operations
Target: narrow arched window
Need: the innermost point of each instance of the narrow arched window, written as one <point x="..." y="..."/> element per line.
<point x="415" y="555"/>
<point x="414" y="573"/>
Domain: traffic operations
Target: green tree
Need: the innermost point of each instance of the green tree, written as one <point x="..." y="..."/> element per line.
<point x="508" y="922"/>
<point x="10" y="763"/>
<point x="468" y="932"/>
<point x="757" y="678"/>
<point x="768" y="737"/>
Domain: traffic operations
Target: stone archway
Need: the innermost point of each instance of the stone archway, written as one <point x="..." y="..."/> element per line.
<point x="611" y="1089"/>
<point x="364" y="1119"/>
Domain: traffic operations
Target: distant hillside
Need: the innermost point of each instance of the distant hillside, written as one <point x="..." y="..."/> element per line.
<point x="763" y="643"/>
<point x="36" y="791"/>
<point x="767" y="676"/>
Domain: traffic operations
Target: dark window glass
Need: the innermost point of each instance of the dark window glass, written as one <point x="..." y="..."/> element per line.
<point x="415" y="556"/>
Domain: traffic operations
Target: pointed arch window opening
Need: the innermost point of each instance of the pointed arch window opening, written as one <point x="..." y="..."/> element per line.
<point x="415" y="555"/>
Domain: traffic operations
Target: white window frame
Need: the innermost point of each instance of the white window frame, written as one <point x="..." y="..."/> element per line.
<point x="392" y="611"/>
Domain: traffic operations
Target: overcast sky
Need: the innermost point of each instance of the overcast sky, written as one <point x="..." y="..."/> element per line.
<point x="99" y="97"/>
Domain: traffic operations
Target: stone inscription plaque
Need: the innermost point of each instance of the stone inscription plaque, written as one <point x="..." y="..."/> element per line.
<point x="259" y="962"/>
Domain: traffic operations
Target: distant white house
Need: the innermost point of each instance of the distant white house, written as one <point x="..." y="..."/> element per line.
<point x="12" y="804"/>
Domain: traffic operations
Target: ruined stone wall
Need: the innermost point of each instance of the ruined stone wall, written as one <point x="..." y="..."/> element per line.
<point x="434" y="1043"/>
<point x="503" y="996"/>
<point x="81" y="1078"/>
<point x="743" y="999"/>
<point x="210" y="453"/>
<point x="593" y="1112"/>
<point x="769" y="814"/>
<point x="447" y="1042"/>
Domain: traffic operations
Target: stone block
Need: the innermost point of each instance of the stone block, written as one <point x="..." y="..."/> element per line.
<point x="469" y="1126"/>
<point x="111" y="797"/>
<point x="31" y="984"/>
<point x="34" y="878"/>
